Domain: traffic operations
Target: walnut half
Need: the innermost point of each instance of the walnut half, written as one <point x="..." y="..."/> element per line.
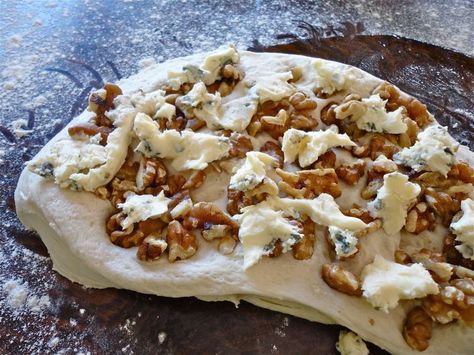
<point x="417" y="329"/>
<point x="340" y="280"/>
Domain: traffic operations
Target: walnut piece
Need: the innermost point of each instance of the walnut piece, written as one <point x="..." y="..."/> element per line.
<point x="340" y="280"/>
<point x="351" y="173"/>
<point x="455" y="301"/>
<point x="417" y="329"/>
<point x="181" y="242"/>
<point x="420" y="219"/>
<point x="274" y="150"/>
<point x="309" y="183"/>
<point x="304" y="248"/>
<point x="152" y="248"/>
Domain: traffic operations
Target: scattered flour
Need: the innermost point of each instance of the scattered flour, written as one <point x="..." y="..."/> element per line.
<point x="18" y="128"/>
<point x="146" y="62"/>
<point x="162" y="337"/>
<point x="20" y="297"/>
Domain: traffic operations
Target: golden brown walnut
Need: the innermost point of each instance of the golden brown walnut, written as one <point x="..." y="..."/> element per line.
<point x="455" y="301"/>
<point x="195" y="124"/>
<point x="178" y="122"/>
<point x="351" y="173"/>
<point x="402" y="257"/>
<point x="309" y="183"/>
<point x="236" y="200"/>
<point x="90" y="129"/>
<point x="462" y="171"/>
<point x="152" y="248"/>
<point x="182" y="244"/>
<point x="442" y="204"/>
<point x="359" y="212"/>
<point x="152" y="173"/>
<point x="304" y="248"/>
<point x="240" y="145"/>
<point x="453" y="256"/>
<point x="195" y="180"/>
<point x="274" y="150"/>
<point x="99" y="105"/>
<point x="415" y="109"/>
<point x="205" y="214"/>
<point x="328" y="116"/>
<point x="174" y="184"/>
<point x="417" y="329"/>
<point x="326" y="161"/>
<point x="340" y="280"/>
<point x="127" y="238"/>
<point x="419" y="219"/>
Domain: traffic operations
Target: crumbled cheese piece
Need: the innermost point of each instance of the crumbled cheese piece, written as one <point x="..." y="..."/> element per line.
<point x="83" y="164"/>
<point x="188" y="150"/>
<point x="393" y="200"/>
<point x="464" y="229"/>
<point x="384" y="163"/>
<point x="208" y="72"/>
<point x="351" y="344"/>
<point x="142" y="207"/>
<point x="260" y="226"/>
<point x="345" y="242"/>
<point x="322" y="210"/>
<point x="370" y="115"/>
<point x="308" y="146"/>
<point x="252" y="172"/>
<point x="234" y="115"/>
<point x="325" y="76"/>
<point x="272" y="86"/>
<point x="182" y="208"/>
<point x="384" y="283"/>
<point x="153" y="104"/>
<point x="280" y="118"/>
<point x="434" y="151"/>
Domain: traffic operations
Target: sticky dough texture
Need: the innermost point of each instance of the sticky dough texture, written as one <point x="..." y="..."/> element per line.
<point x="72" y="226"/>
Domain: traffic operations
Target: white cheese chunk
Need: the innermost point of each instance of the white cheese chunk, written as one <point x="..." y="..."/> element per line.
<point x="350" y="343"/>
<point x="252" y="172"/>
<point x="84" y="164"/>
<point x="370" y="115"/>
<point x="182" y="208"/>
<point x="384" y="283"/>
<point x="142" y="207"/>
<point x="260" y="226"/>
<point x="308" y="146"/>
<point x="186" y="149"/>
<point x="234" y="115"/>
<point x="345" y="242"/>
<point x="153" y="104"/>
<point x="325" y="76"/>
<point x="322" y="210"/>
<point x="434" y="151"/>
<point x="272" y="86"/>
<point x="208" y="72"/>
<point x="393" y="200"/>
<point x="464" y="229"/>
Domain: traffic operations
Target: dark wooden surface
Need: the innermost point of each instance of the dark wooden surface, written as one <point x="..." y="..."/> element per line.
<point x="119" y="321"/>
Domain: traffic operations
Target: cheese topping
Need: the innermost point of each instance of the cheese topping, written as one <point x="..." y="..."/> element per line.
<point x="384" y="283"/>
<point x="322" y="210"/>
<point x="260" y="226"/>
<point x="234" y="114"/>
<point x="273" y="86"/>
<point x="392" y="201"/>
<point x="142" y="207"/>
<point x="153" y="104"/>
<point x="464" y="229"/>
<point x="345" y="242"/>
<point x="370" y="115"/>
<point x="434" y="151"/>
<point x="252" y="172"/>
<point x="308" y="146"/>
<point x="325" y="76"/>
<point x="85" y="165"/>
<point x="210" y="70"/>
<point x="186" y="149"/>
<point x="351" y="344"/>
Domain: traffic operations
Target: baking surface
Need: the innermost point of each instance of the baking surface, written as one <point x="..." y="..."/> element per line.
<point x="56" y="52"/>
